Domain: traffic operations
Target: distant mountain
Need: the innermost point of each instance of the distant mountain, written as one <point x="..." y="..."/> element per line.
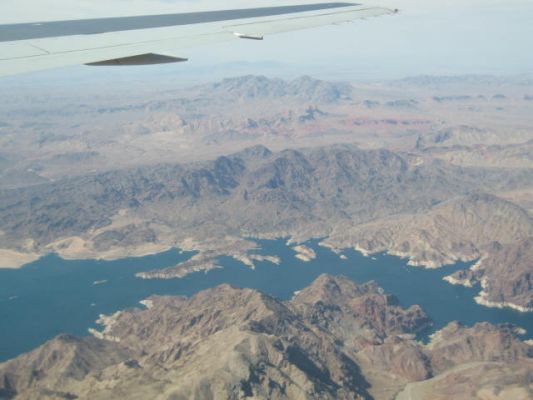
<point x="333" y="340"/>
<point x="472" y="79"/>
<point x="253" y="87"/>
<point x="398" y="104"/>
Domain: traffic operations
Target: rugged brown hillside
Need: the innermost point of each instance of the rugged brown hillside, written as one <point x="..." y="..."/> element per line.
<point x="255" y="193"/>
<point x="508" y="274"/>
<point x="462" y="228"/>
<point x="334" y="340"/>
<point x="466" y="228"/>
<point x="505" y="273"/>
<point x="472" y="363"/>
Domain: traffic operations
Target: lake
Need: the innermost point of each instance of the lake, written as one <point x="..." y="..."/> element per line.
<point x="52" y="295"/>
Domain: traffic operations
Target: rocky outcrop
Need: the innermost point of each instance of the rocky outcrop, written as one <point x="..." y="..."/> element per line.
<point x="340" y="307"/>
<point x="455" y="345"/>
<point x="506" y="274"/>
<point x="48" y="371"/>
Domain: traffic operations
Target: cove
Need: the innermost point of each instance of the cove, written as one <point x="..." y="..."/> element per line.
<point x="52" y="295"/>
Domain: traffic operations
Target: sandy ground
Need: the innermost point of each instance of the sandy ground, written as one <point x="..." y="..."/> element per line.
<point x="76" y="250"/>
<point x="10" y="259"/>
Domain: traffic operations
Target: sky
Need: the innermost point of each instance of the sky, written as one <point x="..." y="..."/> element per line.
<point x="434" y="37"/>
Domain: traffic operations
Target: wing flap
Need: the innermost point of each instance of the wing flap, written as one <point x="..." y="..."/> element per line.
<point x="61" y="51"/>
<point x="142" y="59"/>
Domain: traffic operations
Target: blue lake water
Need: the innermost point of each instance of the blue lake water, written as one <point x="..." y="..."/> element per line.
<point x="52" y="295"/>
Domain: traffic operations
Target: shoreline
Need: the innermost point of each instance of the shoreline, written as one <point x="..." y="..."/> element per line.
<point x="106" y="322"/>
<point x="459" y="282"/>
<point x="113" y="254"/>
<point x="12" y="259"/>
<point x="481" y="299"/>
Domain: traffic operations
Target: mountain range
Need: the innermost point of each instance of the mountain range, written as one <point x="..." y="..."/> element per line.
<point x="334" y="340"/>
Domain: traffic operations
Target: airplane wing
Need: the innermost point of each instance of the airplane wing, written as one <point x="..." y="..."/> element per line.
<point x="155" y="39"/>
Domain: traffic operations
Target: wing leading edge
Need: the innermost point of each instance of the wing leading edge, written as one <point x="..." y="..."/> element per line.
<point x="156" y="39"/>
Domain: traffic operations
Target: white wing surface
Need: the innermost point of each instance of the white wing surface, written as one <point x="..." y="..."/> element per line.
<point x="154" y="39"/>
